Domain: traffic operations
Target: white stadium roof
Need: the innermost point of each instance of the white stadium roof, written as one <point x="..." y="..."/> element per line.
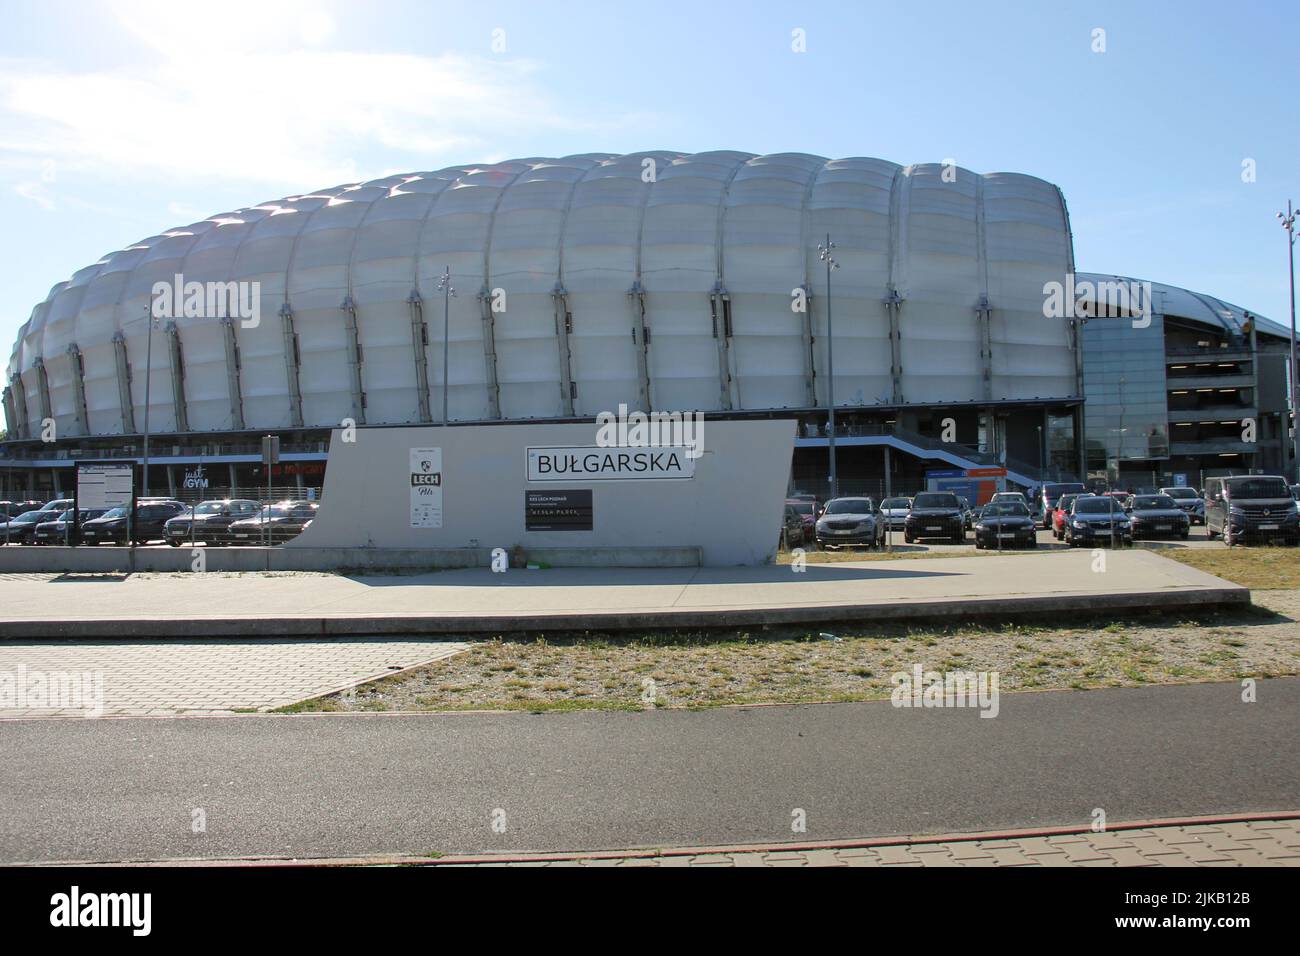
<point x="657" y="278"/>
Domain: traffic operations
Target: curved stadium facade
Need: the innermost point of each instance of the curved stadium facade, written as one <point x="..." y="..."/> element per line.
<point x="656" y="280"/>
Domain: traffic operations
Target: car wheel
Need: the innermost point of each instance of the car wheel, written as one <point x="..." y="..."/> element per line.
<point x="907" y="538"/>
<point x="173" y="543"/>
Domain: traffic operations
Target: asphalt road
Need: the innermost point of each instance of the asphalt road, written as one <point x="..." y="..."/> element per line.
<point x="315" y="786"/>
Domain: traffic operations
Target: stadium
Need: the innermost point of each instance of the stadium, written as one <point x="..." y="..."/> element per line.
<point x="660" y="281"/>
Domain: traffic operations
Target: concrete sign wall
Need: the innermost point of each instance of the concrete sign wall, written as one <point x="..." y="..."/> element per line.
<point x="553" y="486"/>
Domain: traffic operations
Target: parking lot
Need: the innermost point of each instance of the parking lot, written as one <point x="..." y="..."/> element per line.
<point x="1046" y="542"/>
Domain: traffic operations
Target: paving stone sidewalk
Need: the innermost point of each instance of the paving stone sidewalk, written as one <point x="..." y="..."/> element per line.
<point x="194" y="678"/>
<point x="1274" y="842"/>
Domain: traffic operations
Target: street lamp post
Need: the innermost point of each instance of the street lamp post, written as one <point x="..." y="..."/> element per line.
<point x="148" y="380"/>
<point x="1288" y="223"/>
<point x="444" y="286"/>
<point x="824" y="253"/>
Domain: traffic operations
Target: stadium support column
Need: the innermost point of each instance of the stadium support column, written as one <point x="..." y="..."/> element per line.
<point x="984" y="315"/>
<point x="16" y="397"/>
<point x="42" y="388"/>
<point x="563" y="328"/>
<point x="720" y="308"/>
<point x="11" y="413"/>
<point x="292" y="365"/>
<point x="420" y="349"/>
<point x="232" y="374"/>
<point x="177" y="361"/>
<point x="79" y="389"/>
<point x="641" y="343"/>
<point x="123" y="366"/>
<point x="809" y="362"/>
<point x="894" y="309"/>
<point x="353" y="344"/>
<point x="490" y="352"/>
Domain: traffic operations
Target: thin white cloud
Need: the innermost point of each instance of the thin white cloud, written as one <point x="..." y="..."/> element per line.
<point x="239" y="93"/>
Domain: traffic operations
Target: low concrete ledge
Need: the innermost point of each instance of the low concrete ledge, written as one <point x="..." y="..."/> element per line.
<point x="17" y="559"/>
<point x="352" y="625"/>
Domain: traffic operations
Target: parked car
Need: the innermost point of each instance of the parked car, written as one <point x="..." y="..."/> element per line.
<point x="278" y="523"/>
<point x="58" y="531"/>
<point x="806" y="508"/>
<point x="1123" y="498"/>
<point x="22" y="529"/>
<point x="935" y="514"/>
<point x="1011" y="496"/>
<point x="848" y="521"/>
<point x="1191" y="501"/>
<point x="969" y="513"/>
<point x="1251" y="507"/>
<point x="1097" y="519"/>
<point x="1062" y="513"/>
<point x="1006" y="524"/>
<point x="1158" y="516"/>
<point x="210" y="519"/>
<point x="150" y="517"/>
<point x="1049" y="494"/>
<point x="12" y="509"/>
<point x="791" y="528"/>
<point x="893" y="512"/>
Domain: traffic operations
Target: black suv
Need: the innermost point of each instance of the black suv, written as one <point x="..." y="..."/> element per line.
<point x="936" y="514"/>
<point x="150" y="517"/>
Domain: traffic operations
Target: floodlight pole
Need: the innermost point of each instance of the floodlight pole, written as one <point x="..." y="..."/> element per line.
<point x="148" y="381"/>
<point x="824" y="253"/>
<point x="1288" y="223"/>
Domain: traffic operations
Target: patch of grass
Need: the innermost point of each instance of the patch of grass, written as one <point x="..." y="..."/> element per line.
<point x="702" y="668"/>
<point x="1258" y="568"/>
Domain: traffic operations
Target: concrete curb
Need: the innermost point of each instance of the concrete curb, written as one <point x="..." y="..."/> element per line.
<point x="361" y="624"/>
<point x="640" y="853"/>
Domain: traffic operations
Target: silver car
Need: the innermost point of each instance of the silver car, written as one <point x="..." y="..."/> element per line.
<point x="893" y="512"/>
<point x="849" y="521"/>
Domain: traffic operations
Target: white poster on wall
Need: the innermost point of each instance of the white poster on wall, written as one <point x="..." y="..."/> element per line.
<point x="426" y="487"/>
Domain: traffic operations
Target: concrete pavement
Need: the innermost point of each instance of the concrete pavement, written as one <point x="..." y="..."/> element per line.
<point x="323" y="786"/>
<point x="475" y="600"/>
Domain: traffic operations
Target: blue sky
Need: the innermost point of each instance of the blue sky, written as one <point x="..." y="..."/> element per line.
<point x="118" y="120"/>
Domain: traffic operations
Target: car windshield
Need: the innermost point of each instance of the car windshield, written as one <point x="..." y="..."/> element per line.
<point x="802" y="507"/>
<point x="1182" y="493"/>
<point x="902" y="503"/>
<point x="210" y="508"/>
<point x="1066" y="501"/>
<point x="849" y="506"/>
<point x="1055" y="491"/>
<point x="29" y="516"/>
<point x="115" y="513"/>
<point x="1096" y="506"/>
<point x="934" y="500"/>
<point x="1151" y="502"/>
<point x="1258" y="488"/>
<point x="1006" y="508"/>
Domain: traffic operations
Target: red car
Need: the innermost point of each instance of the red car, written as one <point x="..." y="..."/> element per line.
<point x="1062" y="511"/>
<point x="807" y="508"/>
